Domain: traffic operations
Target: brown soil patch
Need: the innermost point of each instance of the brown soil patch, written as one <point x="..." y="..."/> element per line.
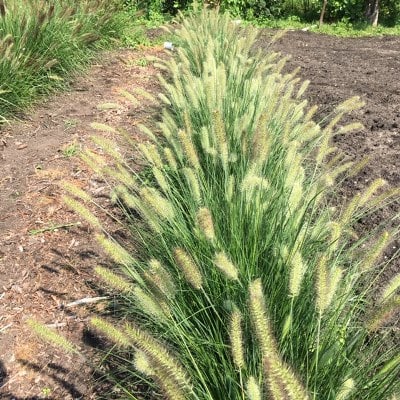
<point x="43" y="268"/>
<point x="41" y="272"/>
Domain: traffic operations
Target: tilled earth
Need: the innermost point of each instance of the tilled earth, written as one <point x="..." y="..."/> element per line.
<point x="41" y="271"/>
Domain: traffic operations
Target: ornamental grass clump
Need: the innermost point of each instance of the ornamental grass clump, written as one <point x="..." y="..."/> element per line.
<point x="246" y="283"/>
<point x="42" y="41"/>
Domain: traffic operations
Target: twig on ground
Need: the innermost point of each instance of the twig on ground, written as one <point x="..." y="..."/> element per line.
<point x="86" y="300"/>
<point x="52" y="228"/>
<point x="5" y="327"/>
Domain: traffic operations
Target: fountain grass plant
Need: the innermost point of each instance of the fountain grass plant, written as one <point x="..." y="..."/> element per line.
<point x="41" y="41"/>
<point x="245" y="283"/>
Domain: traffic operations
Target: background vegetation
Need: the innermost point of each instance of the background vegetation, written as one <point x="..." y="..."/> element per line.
<point x="42" y="42"/>
<point x="353" y="11"/>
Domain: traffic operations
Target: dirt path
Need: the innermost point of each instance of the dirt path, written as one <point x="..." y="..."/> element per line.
<point x="40" y="272"/>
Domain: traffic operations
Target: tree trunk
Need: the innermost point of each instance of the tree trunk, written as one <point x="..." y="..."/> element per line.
<point x="372" y="12"/>
<point x="321" y="17"/>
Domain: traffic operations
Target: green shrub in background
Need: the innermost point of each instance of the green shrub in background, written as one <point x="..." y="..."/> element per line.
<point x="245" y="282"/>
<point x="263" y="10"/>
<point x="156" y="8"/>
<point x="42" y="41"/>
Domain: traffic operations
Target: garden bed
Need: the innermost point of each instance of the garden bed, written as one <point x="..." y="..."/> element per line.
<point x="338" y="69"/>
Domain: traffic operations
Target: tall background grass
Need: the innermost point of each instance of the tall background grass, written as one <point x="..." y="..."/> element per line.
<point x="41" y="42"/>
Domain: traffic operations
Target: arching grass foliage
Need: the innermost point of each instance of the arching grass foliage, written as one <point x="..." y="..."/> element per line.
<point x="42" y="41"/>
<point x="245" y="282"/>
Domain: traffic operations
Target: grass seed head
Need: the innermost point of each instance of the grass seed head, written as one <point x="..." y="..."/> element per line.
<point x="113" y="280"/>
<point x="276" y="385"/>
<point x="109" y="330"/>
<point x="369" y="192"/>
<point x="103" y="127"/>
<point x="160" y="278"/>
<point x="161" y="359"/>
<point x="260" y="319"/>
<point x="109" y="147"/>
<point x="297" y="271"/>
<point x="261" y="140"/>
<point x="169" y="156"/>
<point x="253" y="389"/>
<point x="188" y="267"/>
<point x="143" y="363"/>
<point x="93" y="161"/>
<point x="132" y="201"/>
<point x="190" y="150"/>
<point x="220" y="135"/>
<point x="383" y="314"/>
<point x="296" y="195"/>
<point x="225" y="265"/>
<point x="334" y="282"/>
<point x="76" y="191"/>
<point x="115" y="251"/>
<point x="52" y="337"/>
<point x="390" y="289"/>
<point x="151" y="154"/>
<point x="352" y="104"/>
<point x="205" y="222"/>
<point x="148" y="304"/>
<point x="375" y="252"/>
<point x="349" y="211"/>
<point x="230" y="186"/>
<point x="83" y="211"/>
<point x="154" y="200"/>
<point x="193" y="183"/>
<point x="121" y="174"/>
<point x="253" y="182"/>
<point x="161" y="179"/>
<point x="236" y="338"/>
<point x="322" y="284"/>
<point x="346" y="389"/>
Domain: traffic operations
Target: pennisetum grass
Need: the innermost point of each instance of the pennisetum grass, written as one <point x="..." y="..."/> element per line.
<point x="42" y="42"/>
<point x="246" y="283"/>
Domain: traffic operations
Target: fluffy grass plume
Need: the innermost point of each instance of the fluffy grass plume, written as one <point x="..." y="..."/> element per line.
<point x="160" y="279"/>
<point x="390" y="289"/>
<point x="83" y="211"/>
<point x="236" y="338"/>
<point x="113" y="280"/>
<point x="108" y="329"/>
<point x="225" y="265"/>
<point x="162" y="359"/>
<point x="205" y="222"/>
<point x="53" y="337"/>
<point x="253" y="389"/>
<point x="188" y="267"/>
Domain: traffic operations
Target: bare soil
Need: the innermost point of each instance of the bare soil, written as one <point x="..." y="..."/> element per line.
<point x="41" y="272"/>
